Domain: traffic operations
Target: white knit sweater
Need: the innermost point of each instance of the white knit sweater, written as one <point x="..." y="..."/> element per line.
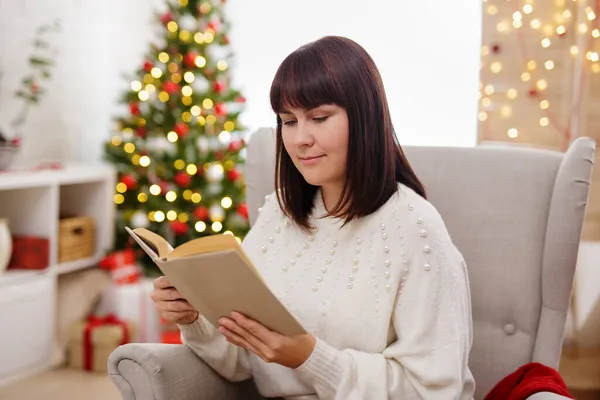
<point x="387" y="298"/>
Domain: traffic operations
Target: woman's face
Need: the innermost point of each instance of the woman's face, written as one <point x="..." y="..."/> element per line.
<point x="317" y="142"/>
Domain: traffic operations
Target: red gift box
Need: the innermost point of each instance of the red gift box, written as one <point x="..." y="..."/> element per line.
<point x="30" y="252"/>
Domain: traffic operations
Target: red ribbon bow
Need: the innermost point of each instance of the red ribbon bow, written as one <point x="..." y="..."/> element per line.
<point x="93" y="322"/>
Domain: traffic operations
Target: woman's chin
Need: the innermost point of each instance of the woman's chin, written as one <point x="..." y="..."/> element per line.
<point x="312" y="179"/>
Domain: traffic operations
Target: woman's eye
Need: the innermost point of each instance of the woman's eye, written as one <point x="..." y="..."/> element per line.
<point x="289" y="123"/>
<point x="320" y="119"/>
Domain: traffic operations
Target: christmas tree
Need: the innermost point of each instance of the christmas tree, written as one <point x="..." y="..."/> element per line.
<point x="179" y="147"/>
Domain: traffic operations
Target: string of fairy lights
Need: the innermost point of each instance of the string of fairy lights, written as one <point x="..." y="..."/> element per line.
<point x="550" y="24"/>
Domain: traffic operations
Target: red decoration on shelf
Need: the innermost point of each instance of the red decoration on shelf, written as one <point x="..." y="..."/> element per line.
<point x="148" y="66"/>
<point x="190" y="59"/>
<point x="16" y="141"/>
<point x="532" y="93"/>
<point x="201" y="213"/>
<point x="233" y="175"/>
<point x="166" y="18"/>
<point x="179" y="228"/>
<point x="30" y="252"/>
<point x="181" y="129"/>
<point x="170" y="87"/>
<point x="183" y="179"/>
<point x="240" y="99"/>
<point x="141" y="131"/>
<point x="218" y="86"/>
<point x="130" y="181"/>
<point x="243" y="210"/>
<point x="220" y="109"/>
<point x="134" y="108"/>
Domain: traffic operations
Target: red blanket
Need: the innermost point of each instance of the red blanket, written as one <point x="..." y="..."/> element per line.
<point x="527" y="380"/>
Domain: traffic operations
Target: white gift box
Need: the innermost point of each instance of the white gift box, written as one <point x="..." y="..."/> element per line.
<point x="132" y="302"/>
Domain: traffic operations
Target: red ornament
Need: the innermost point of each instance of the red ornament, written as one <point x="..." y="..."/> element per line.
<point x="496" y="48"/>
<point x="164" y="186"/>
<point x="35" y="87"/>
<point x="129" y="181"/>
<point x="148" y="66"/>
<point x="201" y="213"/>
<point x="141" y="131"/>
<point x="183" y="179"/>
<point x="220" y="109"/>
<point x="235" y="146"/>
<point x="171" y="87"/>
<point x="16" y="142"/>
<point x="218" y="87"/>
<point x="219" y="155"/>
<point x="190" y="59"/>
<point x="233" y="175"/>
<point x="179" y="228"/>
<point x="181" y="129"/>
<point x="166" y="18"/>
<point x="243" y="210"/>
<point x="240" y="99"/>
<point x="134" y="108"/>
<point x="215" y="25"/>
<point x="532" y="93"/>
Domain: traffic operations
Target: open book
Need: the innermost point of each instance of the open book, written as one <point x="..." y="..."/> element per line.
<point x="214" y="274"/>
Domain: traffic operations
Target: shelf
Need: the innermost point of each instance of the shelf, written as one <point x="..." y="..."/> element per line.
<point x="77" y="265"/>
<point x="18" y="276"/>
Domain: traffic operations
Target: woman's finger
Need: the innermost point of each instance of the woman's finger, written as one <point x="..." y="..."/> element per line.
<point x="255" y="342"/>
<point x="176" y="306"/>
<point x="166" y="295"/>
<point x="162" y="283"/>
<point x="239" y="341"/>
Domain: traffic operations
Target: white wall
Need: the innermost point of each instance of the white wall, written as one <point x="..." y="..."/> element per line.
<point x="427" y="52"/>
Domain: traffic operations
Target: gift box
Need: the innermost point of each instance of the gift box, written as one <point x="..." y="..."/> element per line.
<point x="93" y="340"/>
<point x="30" y="252"/>
<point x="132" y="302"/>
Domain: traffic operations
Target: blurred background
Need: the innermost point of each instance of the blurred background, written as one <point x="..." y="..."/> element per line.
<point x="93" y="93"/>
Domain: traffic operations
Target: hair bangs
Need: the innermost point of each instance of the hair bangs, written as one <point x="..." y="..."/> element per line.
<point x="304" y="82"/>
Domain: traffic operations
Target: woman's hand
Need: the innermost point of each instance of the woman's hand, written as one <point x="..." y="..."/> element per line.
<point x="170" y="303"/>
<point x="270" y="346"/>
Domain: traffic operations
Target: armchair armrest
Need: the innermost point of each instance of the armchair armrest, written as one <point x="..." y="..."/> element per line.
<point x="164" y="371"/>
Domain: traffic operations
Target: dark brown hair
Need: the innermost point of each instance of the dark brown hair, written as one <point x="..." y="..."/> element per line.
<point x="336" y="70"/>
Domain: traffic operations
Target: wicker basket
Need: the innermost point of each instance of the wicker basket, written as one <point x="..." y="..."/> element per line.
<point x="76" y="238"/>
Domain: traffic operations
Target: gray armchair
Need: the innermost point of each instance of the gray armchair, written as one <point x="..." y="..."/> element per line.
<point x="516" y="214"/>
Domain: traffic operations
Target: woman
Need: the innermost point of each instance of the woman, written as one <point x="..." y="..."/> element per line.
<point x="359" y="255"/>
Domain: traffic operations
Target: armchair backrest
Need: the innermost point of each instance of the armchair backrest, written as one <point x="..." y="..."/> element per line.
<point x="516" y="214"/>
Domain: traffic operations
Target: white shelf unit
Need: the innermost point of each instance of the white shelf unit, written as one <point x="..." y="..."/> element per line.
<point x="33" y="201"/>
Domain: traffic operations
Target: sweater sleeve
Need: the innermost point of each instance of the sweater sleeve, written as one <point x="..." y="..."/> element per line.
<point x="228" y="360"/>
<point x="431" y="319"/>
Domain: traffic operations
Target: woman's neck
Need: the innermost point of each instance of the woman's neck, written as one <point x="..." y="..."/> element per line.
<point x="331" y="195"/>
